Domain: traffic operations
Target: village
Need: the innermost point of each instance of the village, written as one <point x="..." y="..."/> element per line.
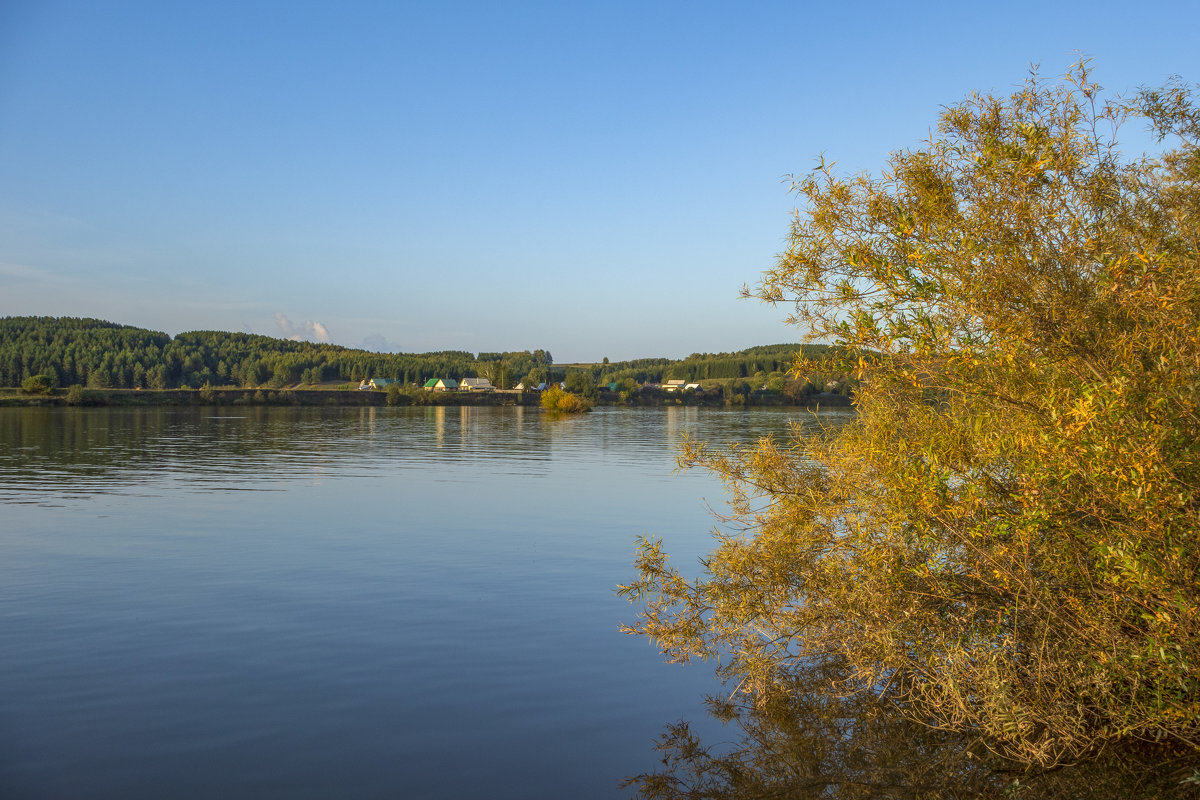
<point x="485" y="385"/>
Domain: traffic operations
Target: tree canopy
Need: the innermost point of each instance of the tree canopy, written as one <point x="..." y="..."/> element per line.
<point x="993" y="569"/>
<point x="102" y="354"/>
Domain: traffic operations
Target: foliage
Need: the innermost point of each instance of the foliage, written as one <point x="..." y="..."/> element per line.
<point x="708" y="366"/>
<point x="1002" y="548"/>
<point x="75" y="396"/>
<point x="393" y="394"/>
<point x="559" y="401"/>
<point x="37" y="384"/>
<point x="582" y="384"/>
<point x="103" y="355"/>
<point x="810" y="743"/>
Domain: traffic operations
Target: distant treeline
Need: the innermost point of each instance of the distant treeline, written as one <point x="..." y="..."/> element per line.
<point x="763" y="360"/>
<point x="99" y="354"/>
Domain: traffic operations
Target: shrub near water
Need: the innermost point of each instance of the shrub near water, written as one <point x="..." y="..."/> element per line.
<point x="37" y="384"/>
<point x="987" y="580"/>
<point x="558" y="401"/>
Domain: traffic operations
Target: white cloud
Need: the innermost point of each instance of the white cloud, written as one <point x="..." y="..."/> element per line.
<point x="307" y="330"/>
<point x="378" y="343"/>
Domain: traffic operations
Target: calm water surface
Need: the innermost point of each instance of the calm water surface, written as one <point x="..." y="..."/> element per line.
<point x="295" y="603"/>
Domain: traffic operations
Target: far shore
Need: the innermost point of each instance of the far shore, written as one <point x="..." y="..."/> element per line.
<point x="354" y="398"/>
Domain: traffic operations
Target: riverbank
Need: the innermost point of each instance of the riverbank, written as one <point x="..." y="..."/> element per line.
<point x="353" y="398"/>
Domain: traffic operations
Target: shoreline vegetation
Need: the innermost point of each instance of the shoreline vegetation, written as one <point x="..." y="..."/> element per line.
<point x="986" y="584"/>
<point x="53" y="361"/>
<point x="60" y="398"/>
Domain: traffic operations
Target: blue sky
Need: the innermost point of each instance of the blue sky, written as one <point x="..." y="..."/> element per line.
<point x="597" y="179"/>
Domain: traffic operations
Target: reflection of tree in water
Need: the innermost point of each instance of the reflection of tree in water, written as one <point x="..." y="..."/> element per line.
<point x="115" y="449"/>
<point x="66" y="446"/>
<point x="810" y="738"/>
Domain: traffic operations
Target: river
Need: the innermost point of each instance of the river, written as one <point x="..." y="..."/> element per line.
<point x="370" y="603"/>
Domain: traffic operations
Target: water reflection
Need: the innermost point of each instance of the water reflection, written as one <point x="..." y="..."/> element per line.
<point x="48" y="454"/>
<point x="320" y="602"/>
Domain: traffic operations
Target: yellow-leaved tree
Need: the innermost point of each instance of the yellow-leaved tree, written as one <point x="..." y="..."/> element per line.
<point x="988" y="582"/>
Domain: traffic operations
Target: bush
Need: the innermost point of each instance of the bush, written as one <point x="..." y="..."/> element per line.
<point x="37" y="384"/>
<point x="558" y="401"/>
<point x="999" y="553"/>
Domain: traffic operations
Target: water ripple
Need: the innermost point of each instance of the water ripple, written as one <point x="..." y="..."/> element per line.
<point x="50" y="454"/>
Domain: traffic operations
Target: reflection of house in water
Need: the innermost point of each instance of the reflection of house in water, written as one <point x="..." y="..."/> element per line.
<point x="679" y="420"/>
<point x="465" y="421"/>
<point x="439" y="424"/>
<point x="366" y="420"/>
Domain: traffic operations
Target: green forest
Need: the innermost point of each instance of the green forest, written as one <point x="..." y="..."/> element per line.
<point x="106" y="355"/>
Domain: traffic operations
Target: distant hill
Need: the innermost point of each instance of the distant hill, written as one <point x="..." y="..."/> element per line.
<point x="102" y="354"/>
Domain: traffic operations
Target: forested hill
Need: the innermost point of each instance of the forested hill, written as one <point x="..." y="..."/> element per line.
<point x="101" y="354"/>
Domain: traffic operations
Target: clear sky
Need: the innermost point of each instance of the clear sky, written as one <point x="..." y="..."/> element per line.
<point x="592" y="178"/>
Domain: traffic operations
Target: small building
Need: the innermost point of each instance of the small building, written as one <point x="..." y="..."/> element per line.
<point x="692" y="387"/>
<point x="441" y="385"/>
<point x="675" y="386"/>
<point x="476" y="385"/>
<point x="379" y="384"/>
